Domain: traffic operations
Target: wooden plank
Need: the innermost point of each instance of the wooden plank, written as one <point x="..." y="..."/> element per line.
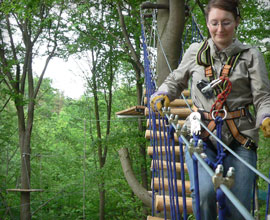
<point x="186" y="93"/>
<point x="180" y="122"/>
<point x="164" y="165"/>
<point x="150" y="150"/>
<point x="24" y="190"/>
<point x="158" y="185"/>
<point x="181" y="112"/>
<point x="160" y="205"/>
<point x="149" y="133"/>
<point x="155" y="218"/>
<point x="135" y="110"/>
<point x="176" y="102"/>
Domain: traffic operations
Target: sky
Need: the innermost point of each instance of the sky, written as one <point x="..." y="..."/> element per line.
<point x="65" y="76"/>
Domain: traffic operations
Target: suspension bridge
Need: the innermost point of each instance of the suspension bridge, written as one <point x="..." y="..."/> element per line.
<point x="171" y="195"/>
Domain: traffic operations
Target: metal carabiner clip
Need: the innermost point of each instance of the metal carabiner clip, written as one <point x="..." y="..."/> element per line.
<point x="223" y="109"/>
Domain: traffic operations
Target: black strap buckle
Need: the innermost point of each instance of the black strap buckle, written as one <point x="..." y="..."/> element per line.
<point x="208" y="93"/>
<point x="242" y="111"/>
<point x="250" y="144"/>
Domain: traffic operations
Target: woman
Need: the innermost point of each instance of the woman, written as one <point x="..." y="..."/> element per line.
<point x="246" y="73"/>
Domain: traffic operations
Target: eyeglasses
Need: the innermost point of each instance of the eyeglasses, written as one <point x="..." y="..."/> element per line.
<point x="224" y="24"/>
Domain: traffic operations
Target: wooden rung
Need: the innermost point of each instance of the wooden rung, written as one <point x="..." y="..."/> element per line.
<point x="24" y="190"/>
<point x="186" y="93"/>
<point x="180" y="103"/>
<point x="160" y="205"/>
<point x="149" y="133"/>
<point x="181" y="112"/>
<point x="155" y="218"/>
<point x="150" y="150"/>
<point x="164" y="165"/>
<point x="145" y="101"/>
<point x="180" y="122"/>
<point x="176" y="102"/>
<point x="159" y="185"/>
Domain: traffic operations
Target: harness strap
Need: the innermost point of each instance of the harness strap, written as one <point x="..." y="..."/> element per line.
<point x="244" y="141"/>
<point x="230" y="115"/>
<point x="211" y="126"/>
<point x="203" y="55"/>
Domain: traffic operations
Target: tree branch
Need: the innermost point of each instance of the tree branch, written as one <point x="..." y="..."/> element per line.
<point x="5" y="104"/>
<point x="136" y="187"/>
<point x="45" y="203"/>
<point x="51" y="54"/>
<point x="150" y="5"/>
<point x="128" y="42"/>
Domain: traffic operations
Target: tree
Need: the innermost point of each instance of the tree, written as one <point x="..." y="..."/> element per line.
<point x="101" y="60"/>
<point x="170" y="23"/>
<point x="25" y="27"/>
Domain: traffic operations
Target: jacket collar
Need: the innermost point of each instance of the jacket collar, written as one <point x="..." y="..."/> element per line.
<point x="235" y="48"/>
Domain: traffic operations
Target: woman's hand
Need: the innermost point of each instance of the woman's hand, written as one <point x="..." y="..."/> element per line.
<point x="158" y="101"/>
<point x="266" y="127"/>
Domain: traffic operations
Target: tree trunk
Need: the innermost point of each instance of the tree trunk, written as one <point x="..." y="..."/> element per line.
<point x="170" y="28"/>
<point x="102" y="201"/>
<point x="24" y="142"/>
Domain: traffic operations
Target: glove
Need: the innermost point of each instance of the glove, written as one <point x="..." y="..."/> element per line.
<point x="265" y="127"/>
<point x="157" y="102"/>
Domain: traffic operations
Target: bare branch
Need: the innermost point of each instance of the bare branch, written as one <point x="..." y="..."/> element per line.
<point x="5" y="104"/>
<point x="51" y="54"/>
<point x="128" y="42"/>
<point x="46" y="203"/>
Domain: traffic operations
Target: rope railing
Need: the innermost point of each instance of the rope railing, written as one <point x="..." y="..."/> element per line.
<point x="170" y="128"/>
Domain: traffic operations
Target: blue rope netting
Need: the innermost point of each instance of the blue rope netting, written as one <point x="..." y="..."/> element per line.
<point x="169" y="144"/>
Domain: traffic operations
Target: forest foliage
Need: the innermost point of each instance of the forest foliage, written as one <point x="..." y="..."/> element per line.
<point x="65" y="144"/>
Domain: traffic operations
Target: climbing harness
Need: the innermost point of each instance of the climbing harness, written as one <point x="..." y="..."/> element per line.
<point x="221" y="87"/>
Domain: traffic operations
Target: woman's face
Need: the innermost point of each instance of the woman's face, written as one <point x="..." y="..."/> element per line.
<point x="221" y="25"/>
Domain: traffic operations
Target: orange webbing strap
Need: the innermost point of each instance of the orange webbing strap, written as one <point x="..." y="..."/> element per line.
<point x="208" y="71"/>
<point x="232" y="127"/>
<point x="211" y="126"/>
<point x="234" y="130"/>
<point x="226" y="70"/>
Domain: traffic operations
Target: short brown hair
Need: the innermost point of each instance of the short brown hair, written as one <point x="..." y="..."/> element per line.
<point x="227" y="5"/>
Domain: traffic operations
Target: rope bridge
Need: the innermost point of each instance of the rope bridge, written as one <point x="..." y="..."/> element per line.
<point x="167" y="135"/>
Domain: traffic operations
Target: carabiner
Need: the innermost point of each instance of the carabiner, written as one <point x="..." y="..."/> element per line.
<point x="223" y="109"/>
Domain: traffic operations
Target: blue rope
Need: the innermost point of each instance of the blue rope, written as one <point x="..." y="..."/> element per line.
<point x="221" y="155"/>
<point x="183" y="178"/>
<point x="167" y="163"/>
<point x="222" y="208"/>
<point x="162" y="170"/>
<point x="154" y="164"/>
<point x="169" y="171"/>
<point x="220" y="150"/>
<point x="172" y="132"/>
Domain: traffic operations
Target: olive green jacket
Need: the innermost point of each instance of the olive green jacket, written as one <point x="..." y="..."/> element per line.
<point x="250" y="84"/>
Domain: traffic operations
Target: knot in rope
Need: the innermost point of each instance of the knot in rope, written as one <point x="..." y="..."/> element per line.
<point x="222" y="97"/>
